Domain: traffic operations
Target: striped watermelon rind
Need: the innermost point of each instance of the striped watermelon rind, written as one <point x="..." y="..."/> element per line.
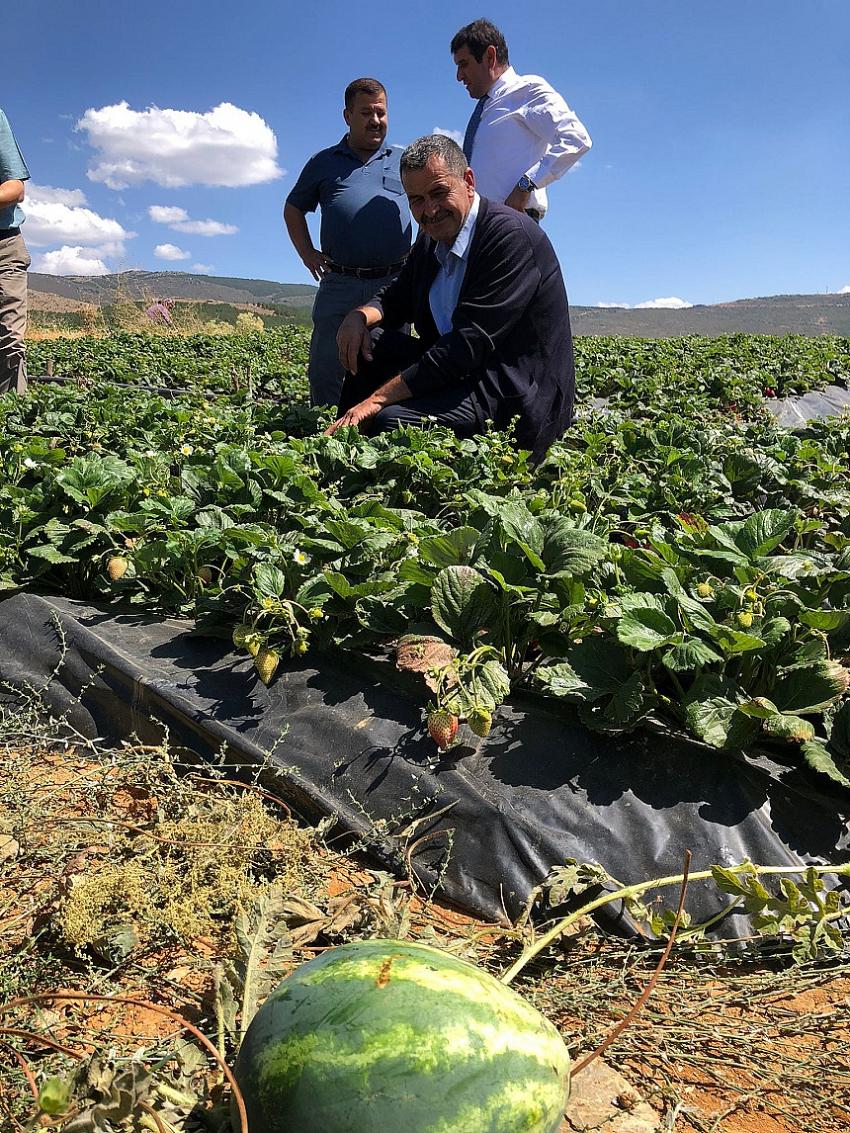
<point x="385" y="1035"/>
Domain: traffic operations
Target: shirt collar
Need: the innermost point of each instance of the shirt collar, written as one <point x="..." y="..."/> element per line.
<point x="460" y="247"/>
<point x="344" y="147"/>
<point x="506" y="79"/>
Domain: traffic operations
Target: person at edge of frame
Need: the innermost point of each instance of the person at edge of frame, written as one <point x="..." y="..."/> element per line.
<point x="365" y="231"/>
<point x="14" y="261"/>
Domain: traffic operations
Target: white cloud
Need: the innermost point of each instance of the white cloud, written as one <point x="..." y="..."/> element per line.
<point x="671" y="302"/>
<point x="70" y="261"/>
<point x="57" y="216"/>
<point x="180" y="221"/>
<point x="167" y="214"/>
<point x="204" y="269"/>
<point x="622" y="306"/>
<point x="226" y="146"/>
<point x="457" y="135"/>
<point x="47" y="195"/>
<point x="845" y="290"/>
<point x="170" y="252"/>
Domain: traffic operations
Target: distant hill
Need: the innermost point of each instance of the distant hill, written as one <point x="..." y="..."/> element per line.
<point x="107" y="289"/>
<point x="777" y="314"/>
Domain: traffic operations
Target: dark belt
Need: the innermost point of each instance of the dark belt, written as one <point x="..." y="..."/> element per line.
<point x="4" y="232"/>
<point x="366" y="273"/>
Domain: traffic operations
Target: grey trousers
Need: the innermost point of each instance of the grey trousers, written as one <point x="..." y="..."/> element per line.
<point x="337" y="295"/>
<point x="14" y="261"/>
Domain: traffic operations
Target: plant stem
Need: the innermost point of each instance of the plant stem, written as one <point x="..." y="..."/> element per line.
<point x="630" y="891"/>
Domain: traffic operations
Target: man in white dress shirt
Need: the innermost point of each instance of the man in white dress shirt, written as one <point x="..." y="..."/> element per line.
<point x="522" y="136"/>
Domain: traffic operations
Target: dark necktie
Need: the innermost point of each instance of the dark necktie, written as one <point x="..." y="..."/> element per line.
<point x="472" y="127"/>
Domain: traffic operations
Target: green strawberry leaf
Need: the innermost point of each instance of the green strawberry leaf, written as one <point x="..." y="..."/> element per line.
<point x="711" y="712"/>
<point x="806" y="688"/>
<point x="463" y="603"/>
<point x="690" y="653"/>
<point x="820" y="759"/>
<point x="645" y="628"/>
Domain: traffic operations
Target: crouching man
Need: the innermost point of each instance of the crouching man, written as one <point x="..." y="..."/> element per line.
<point x="484" y="290"/>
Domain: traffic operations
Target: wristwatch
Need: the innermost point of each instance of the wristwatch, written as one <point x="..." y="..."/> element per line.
<point x="526" y="184"/>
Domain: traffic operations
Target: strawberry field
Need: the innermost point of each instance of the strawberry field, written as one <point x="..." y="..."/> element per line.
<point x="677" y="567"/>
<point x="677" y="562"/>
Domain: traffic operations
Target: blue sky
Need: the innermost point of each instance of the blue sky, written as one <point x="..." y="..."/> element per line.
<point x="720" y="166"/>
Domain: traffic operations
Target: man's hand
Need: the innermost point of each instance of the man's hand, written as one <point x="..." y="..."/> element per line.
<point x="316" y="263"/>
<point x="518" y="199"/>
<point x="352" y="340"/>
<point x="365" y="411"/>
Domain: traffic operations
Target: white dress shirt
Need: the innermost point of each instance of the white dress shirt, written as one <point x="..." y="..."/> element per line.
<point x="526" y="127"/>
<point x="445" y="290"/>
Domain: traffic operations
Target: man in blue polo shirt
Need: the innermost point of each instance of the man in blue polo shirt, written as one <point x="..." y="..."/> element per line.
<point x="365" y="227"/>
<point x="14" y="261"/>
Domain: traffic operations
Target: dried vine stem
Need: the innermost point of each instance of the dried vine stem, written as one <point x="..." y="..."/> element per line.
<point x="644" y="995"/>
<point x="22" y="1001"/>
<point x="627" y="892"/>
<point x="25" y="1067"/>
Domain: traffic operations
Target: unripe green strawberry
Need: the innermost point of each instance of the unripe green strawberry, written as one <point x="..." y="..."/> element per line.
<point x="266" y="663"/>
<point x="299" y="647"/>
<point x="205" y="575"/>
<point x="480" y="722"/>
<point x="442" y="727"/>
<point x="745" y="619"/>
<point x="117" y="567"/>
<point x="240" y="635"/>
<point x="705" y="589"/>
<point x="244" y="637"/>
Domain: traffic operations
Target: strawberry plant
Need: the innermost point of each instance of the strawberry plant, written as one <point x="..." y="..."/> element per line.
<point x="669" y="564"/>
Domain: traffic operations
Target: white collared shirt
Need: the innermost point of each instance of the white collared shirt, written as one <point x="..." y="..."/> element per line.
<point x="445" y="290"/>
<point x="526" y="127"/>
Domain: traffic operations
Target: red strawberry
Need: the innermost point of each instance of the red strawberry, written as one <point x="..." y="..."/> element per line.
<point x="769" y="391"/>
<point x="442" y="727"/>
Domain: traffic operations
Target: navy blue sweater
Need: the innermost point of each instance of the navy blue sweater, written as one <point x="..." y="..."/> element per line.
<point x="510" y="341"/>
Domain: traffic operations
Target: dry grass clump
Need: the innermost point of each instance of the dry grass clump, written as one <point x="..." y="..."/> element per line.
<point x="184" y="877"/>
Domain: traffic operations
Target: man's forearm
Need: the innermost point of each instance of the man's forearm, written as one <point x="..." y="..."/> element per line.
<point x="11" y="192"/>
<point x="390" y="393"/>
<point x="299" y="233"/>
<point x="372" y="315"/>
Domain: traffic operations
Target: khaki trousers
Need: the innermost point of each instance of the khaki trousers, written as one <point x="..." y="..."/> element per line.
<point x="14" y="261"/>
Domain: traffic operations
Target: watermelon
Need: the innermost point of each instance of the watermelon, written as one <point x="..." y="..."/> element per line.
<point x="388" y="1036"/>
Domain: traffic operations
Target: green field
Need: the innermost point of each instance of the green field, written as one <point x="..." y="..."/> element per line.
<point x="678" y="560"/>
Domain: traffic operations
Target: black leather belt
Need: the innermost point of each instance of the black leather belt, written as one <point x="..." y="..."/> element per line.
<point x="366" y="273"/>
<point x="4" y="232"/>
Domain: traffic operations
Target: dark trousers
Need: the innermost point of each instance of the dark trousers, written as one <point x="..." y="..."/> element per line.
<point x="392" y="352"/>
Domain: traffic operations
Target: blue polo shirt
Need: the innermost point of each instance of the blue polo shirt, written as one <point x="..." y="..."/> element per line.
<point x="12" y="168"/>
<point x="365" y="219"/>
